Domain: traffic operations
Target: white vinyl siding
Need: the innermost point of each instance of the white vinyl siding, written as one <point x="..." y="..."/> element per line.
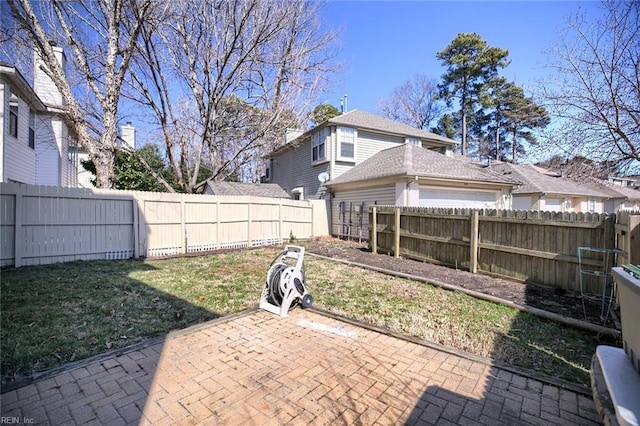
<point x="18" y="160"/>
<point x="382" y="195"/>
<point x="446" y="197"/>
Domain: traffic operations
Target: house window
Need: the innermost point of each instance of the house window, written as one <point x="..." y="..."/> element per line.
<point x="298" y="193"/>
<point x="414" y="141"/>
<point x="347" y="143"/>
<point x="592" y="205"/>
<point x="267" y="170"/>
<point x="13" y="118"/>
<point x="32" y="129"/>
<point x="318" y="141"/>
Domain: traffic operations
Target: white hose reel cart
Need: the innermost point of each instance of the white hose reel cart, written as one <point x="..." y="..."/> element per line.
<point x="284" y="287"/>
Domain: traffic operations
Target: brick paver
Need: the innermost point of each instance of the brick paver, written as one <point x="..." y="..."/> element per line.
<point x="258" y="368"/>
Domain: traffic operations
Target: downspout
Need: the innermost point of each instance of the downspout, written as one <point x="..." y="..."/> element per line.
<point x="331" y="176"/>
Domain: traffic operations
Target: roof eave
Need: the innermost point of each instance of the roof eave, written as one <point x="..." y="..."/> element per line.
<point x="17" y="80"/>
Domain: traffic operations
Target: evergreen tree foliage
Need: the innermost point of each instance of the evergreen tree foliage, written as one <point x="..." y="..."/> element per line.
<point x="470" y="64"/>
<point x="513" y="118"/>
<point x="132" y="174"/>
<point x="324" y="112"/>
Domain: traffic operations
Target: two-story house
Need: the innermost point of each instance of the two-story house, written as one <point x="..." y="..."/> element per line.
<point x="359" y="159"/>
<point x="36" y="146"/>
<point x="310" y="159"/>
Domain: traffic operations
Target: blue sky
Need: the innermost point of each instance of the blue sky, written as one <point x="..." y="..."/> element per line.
<point x="384" y="43"/>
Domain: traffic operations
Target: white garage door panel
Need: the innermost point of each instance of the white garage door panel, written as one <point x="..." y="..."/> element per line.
<point x="553" y="204"/>
<point x="461" y="199"/>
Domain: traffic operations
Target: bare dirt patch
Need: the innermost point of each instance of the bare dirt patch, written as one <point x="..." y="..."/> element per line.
<point x="559" y="301"/>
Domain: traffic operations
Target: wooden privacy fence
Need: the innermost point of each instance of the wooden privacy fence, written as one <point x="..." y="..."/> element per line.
<point x="41" y="225"/>
<point x="530" y="246"/>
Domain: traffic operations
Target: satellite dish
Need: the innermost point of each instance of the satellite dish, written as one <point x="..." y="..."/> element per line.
<point x="323" y="177"/>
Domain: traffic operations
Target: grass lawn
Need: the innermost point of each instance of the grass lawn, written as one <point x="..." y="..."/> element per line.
<point x="64" y="312"/>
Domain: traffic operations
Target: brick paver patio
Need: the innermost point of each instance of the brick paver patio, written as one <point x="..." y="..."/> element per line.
<point x="258" y="368"/>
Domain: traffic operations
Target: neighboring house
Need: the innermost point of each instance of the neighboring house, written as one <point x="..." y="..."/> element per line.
<point x="37" y="147"/>
<point x="621" y="192"/>
<point x="547" y="191"/>
<point x="270" y="190"/>
<point x="412" y="176"/>
<point x="309" y="159"/>
<point x="359" y="159"/>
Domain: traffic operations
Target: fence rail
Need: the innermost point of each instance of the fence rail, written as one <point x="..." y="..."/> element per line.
<point x="530" y="246"/>
<point x="41" y="225"/>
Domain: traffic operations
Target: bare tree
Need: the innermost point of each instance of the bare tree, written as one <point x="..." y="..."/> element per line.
<point x="414" y="103"/>
<point x="595" y="91"/>
<point x="248" y="65"/>
<point x="101" y="37"/>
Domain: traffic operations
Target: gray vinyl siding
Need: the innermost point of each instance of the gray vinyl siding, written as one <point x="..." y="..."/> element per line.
<point x="380" y="195"/>
<point x="370" y="144"/>
<point x="292" y="169"/>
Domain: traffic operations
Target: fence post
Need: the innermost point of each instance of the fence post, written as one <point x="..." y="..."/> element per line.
<point x="183" y="225"/>
<point x="634" y="239"/>
<point x="136" y="228"/>
<point x="473" y="243"/>
<point x="396" y="235"/>
<point x="280" y="220"/>
<point x="18" y="229"/>
<point x="374" y="231"/>
<point x="249" y="222"/>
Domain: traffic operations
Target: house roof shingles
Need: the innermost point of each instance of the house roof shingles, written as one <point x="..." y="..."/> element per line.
<point x="365" y="120"/>
<point x="411" y="160"/>
<point x="535" y="182"/>
<point x="271" y="190"/>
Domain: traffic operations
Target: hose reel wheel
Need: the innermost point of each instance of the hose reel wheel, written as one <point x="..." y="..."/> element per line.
<point x="284" y="287"/>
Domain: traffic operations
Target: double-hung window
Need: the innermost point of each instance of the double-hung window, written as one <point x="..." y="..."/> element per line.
<point x="267" y="170"/>
<point x="318" y="144"/>
<point x="13" y="116"/>
<point x="32" y="129"/>
<point x="347" y="143"/>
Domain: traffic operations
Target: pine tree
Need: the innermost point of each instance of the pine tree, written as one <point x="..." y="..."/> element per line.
<point x="470" y="65"/>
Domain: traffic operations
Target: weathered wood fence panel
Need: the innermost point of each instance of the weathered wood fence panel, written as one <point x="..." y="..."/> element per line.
<point x="531" y="246"/>
<point x="43" y="225"/>
<point x="627" y="230"/>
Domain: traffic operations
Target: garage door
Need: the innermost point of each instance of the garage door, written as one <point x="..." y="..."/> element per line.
<point x="553" y="204"/>
<point x="462" y="199"/>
